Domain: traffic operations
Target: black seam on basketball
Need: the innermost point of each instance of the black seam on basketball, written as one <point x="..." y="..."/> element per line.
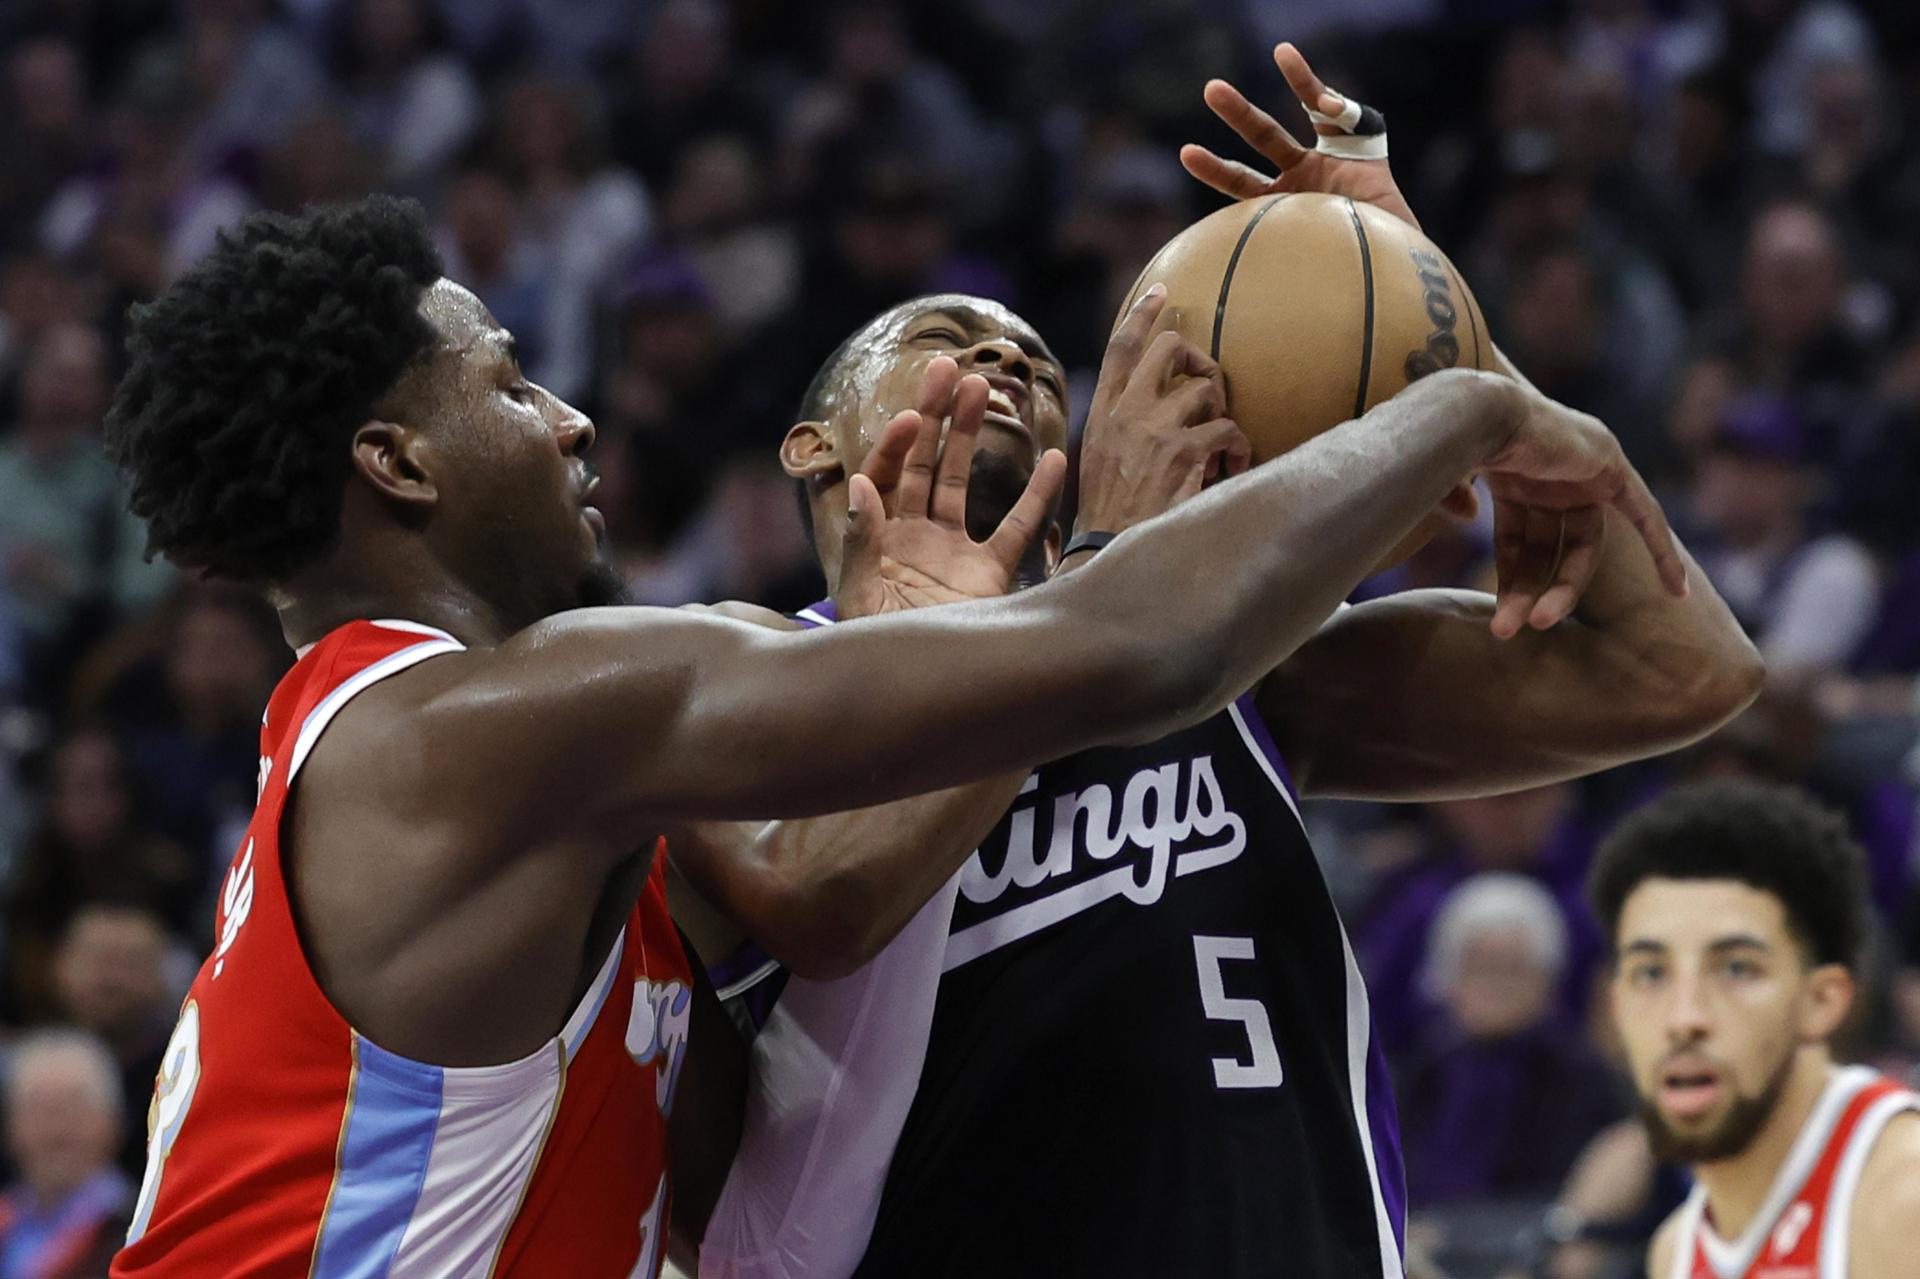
<point x="1466" y="300"/>
<point x="1226" y="278"/>
<point x="1366" y="331"/>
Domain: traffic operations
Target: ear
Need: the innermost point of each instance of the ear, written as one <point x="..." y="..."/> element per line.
<point x="1825" y="1002"/>
<point x="811" y="453"/>
<point x="393" y="459"/>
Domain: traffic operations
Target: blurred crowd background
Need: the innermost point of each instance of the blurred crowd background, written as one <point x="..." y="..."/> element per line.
<point x="1697" y="220"/>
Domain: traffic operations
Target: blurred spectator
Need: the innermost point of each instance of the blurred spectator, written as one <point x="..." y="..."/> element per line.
<point x="879" y="95"/>
<point x="683" y="86"/>
<point x="91" y="845"/>
<point x="742" y="545"/>
<point x="70" y="554"/>
<point x="1779" y="44"/>
<point x="115" y="978"/>
<point x="320" y="162"/>
<point x="583" y="215"/>
<point x="1540" y="833"/>
<point x="1133" y="199"/>
<point x="1791" y="333"/>
<point x="36" y="296"/>
<point x="482" y="242"/>
<point x="1807" y="599"/>
<point x="407" y="98"/>
<point x="65" y="1216"/>
<point x="44" y="131"/>
<point x="191" y="718"/>
<point x="143" y="212"/>
<point x="246" y="79"/>
<point x="1500" y="1098"/>
<point x="1566" y="337"/>
<point x="665" y="398"/>
<point x="716" y="210"/>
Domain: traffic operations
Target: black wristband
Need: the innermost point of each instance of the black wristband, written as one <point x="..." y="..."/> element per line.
<point x="1087" y="542"/>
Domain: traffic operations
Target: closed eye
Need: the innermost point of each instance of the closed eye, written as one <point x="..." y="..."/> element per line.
<point x="953" y="337"/>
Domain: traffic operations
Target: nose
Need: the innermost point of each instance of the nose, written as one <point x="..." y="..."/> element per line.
<point x="1001" y="355"/>
<point x="572" y="428"/>
<point x="1687" y="1020"/>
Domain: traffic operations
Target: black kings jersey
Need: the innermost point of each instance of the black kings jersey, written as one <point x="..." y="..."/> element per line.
<point x="1150" y="1051"/>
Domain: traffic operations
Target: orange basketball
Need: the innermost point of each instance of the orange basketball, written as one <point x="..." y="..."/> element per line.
<point x="1317" y="308"/>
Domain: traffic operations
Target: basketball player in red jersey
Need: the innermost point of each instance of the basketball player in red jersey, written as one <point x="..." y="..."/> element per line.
<point x="1737" y="913"/>
<point x="442" y="1028"/>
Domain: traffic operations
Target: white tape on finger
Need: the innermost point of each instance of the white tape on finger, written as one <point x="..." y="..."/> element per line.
<point x="1363" y="131"/>
<point x="1348" y="117"/>
<point x="1345" y="146"/>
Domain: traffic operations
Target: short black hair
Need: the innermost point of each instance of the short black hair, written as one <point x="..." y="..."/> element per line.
<point x="1773" y="838"/>
<point x="248" y="375"/>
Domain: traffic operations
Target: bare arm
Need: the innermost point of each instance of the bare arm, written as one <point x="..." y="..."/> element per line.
<point x="1887" y="1204"/>
<point x="823" y="895"/>
<point x="623" y="721"/>
<point x="1412" y="697"/>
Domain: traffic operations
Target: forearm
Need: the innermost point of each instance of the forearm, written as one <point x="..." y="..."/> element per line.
<point x="1253" y="566"/>
<point x="824" y="895"/>
<point x="1690" y="654"/>
<point x="646" y="717"/>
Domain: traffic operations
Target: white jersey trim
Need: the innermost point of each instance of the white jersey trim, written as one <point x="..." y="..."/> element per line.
<point x="1836" y="1244"/>
<point x="1359" y="1031"/>
<point x="1731" y="1259"/>
<point x="330" y="705"/>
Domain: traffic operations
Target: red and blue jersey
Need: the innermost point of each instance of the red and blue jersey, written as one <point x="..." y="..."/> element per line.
<point x="284" y="1144"/>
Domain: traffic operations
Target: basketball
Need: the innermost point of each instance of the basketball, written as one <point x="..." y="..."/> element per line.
<point x="1317" y="308"/>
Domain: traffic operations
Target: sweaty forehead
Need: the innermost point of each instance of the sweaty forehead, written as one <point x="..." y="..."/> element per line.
<point x="984" y="318"/>
<point x="460" y="318"/>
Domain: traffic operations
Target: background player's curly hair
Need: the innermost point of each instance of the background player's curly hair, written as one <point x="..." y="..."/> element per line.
<point x="1774" y="838"/>
<point x="249" y="374"/>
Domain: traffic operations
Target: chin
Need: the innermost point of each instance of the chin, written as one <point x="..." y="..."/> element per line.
<point x="600" y="586"/>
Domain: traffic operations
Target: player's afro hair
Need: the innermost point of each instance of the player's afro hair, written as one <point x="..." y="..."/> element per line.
<point x="247" y="377"/>
<point x="1773" y="838"/>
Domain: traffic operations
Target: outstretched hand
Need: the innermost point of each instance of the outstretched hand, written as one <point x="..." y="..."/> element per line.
<point x="907" y="544"/>
<point x="1299" y="168"/>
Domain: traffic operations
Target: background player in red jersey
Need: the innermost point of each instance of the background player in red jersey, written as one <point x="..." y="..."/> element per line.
<point x="314" y="408"/>
<point x="1738" y="914"/>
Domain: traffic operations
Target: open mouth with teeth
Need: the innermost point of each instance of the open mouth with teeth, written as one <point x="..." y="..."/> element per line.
<point x="1003" y="412"/>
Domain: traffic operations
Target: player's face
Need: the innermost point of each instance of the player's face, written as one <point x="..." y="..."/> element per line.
<point x="1713" y="997"/>
<point x="508" y="461"/>
<point x="1026" y="411"/>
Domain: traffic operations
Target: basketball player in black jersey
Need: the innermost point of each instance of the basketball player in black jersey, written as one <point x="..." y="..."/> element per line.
<point x="1149" y="1050"/>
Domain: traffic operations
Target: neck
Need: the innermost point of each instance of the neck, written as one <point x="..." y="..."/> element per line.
<point x="328" y="595"/>
<point x="1737" y="1187"/>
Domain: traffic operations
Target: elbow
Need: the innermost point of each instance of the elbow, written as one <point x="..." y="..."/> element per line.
<point x="1713" y="692"/>
<point x="822" y="926"/>
<point x="1732" y="685"/>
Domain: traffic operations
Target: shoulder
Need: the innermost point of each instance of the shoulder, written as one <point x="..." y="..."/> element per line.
<point x="743" y="612"/>
<point x="1887" y="1201"/>
<point x="1666" y="1244"/>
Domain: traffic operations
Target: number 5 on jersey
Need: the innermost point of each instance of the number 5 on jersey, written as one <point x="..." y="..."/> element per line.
<point x="1209" y="953"/>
